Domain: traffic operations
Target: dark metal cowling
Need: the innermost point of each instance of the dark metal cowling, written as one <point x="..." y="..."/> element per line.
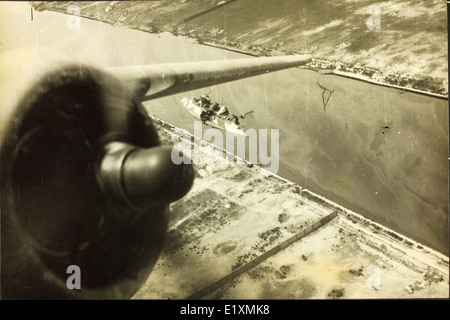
<point x="56" y="207"/>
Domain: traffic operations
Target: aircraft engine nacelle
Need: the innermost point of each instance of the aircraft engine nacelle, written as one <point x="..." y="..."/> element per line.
<point x="84" y="181"/>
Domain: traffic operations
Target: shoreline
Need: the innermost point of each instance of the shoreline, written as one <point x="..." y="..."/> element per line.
<point x="275" y="245"/>
<point x="235" y="216"/>
<point x="359" y="73"/>
<point x="338" y="73"/>
<point x="163" y="127"/>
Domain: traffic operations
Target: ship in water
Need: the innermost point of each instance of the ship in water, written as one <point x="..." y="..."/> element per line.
<point x="214" y="114"/>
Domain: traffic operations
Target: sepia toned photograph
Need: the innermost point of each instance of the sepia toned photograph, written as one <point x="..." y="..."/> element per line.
<point x="254" y="150"/>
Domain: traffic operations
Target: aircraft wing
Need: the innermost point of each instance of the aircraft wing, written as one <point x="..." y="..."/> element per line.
<point x="158" y="80"/>
<point x="77" y="135"/>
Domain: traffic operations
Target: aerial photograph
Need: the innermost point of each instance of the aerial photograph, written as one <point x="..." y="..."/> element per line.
<point x="253" y="150"/>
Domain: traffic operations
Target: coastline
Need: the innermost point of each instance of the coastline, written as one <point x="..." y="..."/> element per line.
<point x="238" y="231"/>
<point x="362" y="71"/>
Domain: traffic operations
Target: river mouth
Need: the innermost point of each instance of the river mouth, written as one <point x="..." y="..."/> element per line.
<point x="372" y="149"/>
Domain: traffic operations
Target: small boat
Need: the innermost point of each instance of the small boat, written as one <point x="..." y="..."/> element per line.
<point x="214" y="121"/>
